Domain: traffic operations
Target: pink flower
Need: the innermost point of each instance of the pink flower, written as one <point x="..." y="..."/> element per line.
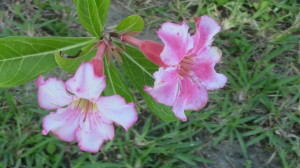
<point x="82" y="114"/>
<point x="186" y="65"/>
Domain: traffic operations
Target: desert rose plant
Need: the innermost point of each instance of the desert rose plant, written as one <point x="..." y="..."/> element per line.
<point x="172" y="77"/>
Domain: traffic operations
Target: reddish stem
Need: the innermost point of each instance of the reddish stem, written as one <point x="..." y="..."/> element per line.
<point x="132" y="40"/>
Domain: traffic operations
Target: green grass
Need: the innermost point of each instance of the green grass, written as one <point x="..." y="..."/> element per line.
<point x="258" y="107"/>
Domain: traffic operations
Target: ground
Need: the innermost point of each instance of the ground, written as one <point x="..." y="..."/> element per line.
<point x="253" y="122"/>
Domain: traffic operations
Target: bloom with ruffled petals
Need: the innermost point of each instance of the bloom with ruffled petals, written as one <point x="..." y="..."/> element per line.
<point x="83" y="115"/>
<point x="186" y="65"/>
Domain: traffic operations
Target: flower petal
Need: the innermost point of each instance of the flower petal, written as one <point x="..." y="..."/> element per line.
<point x="204" y="69"/>
<point x="85" y="83"/>
<point x="192" y="96"/>
<point x="177" y="42"/>
<point x="114" y="109"/>
<point x="206" y="28"/>
<point x="165" y="86"/>
<point x="52" y="93"/>
<point x="62" y="123"/>
<point x="152" y="51"/>
<point x="92" y="132"/>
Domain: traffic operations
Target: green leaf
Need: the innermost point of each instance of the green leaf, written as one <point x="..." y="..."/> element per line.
<point x="51" y="148"/>
<point x="133" y="23"/>
<point x="186" y="158"/>
<point x="278" y="52"/>
<point x="139" y="70"/>
<point x="242" y="144"/>
<point x="72" y="64"/>
<point x="221" y="135"/>
<point x="256" y="140"/>
<point x="289" y="80"/>
<point x="36" y="147"/>
<point x="114" y="83"/>
<point x="24" y="58"/>
<point x="92" y="15"/>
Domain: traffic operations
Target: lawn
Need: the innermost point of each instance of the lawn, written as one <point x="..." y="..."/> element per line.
<point x="253" y="122"/>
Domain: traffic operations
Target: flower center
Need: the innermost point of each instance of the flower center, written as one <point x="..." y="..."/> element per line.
<point x="84" y="105"/>
<point x="185" y="66"/>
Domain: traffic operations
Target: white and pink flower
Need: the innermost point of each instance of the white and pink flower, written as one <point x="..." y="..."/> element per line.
<point x="186" y="65"/>
<point x="83" y="115"/>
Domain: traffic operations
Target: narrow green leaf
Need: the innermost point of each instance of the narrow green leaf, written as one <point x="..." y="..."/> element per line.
<point x="114" y="83"/>
<point x="177" y="140"/>
<point x="183" y="145"/>
<point x="79" y="161"/>
<point x="275" y="139"/>
<point x="247" y="119"/>
<point x="24" y="58"/>
<point x="243" y="73"/>
<point x="289" y="80"/>
<point x="139" y="70"/>
<point x="108" y="165"/>
<point x="235" y="78"/>
<point x="242" y="144"/>
<point x="283" y="156"/>
<point x="293" y="117"/>
<point x="58" y="159"/>
<point x="259" y="74"/>
<point x="256" y="140"/>
<point x="92" y="15"/>
<point x="36" y="147"/>
<point x="133" y="23"/>
<point x="277" y="52"/>
<point x="186" y="158"/>
<point x="200" y="159"/>
<point x="221" y="136"/>
<point x="252" y="132"/>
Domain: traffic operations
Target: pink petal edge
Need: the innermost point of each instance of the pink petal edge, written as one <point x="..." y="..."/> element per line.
<point x="62" y="123"/>
<point x="206" y="28"/>
<point x="204" y="69"/>
<point x="52" y="93"/>
<point x="177" y="42"/>
<point x="92" y="133"/>
<point x="191" y="96"/>
<point x="165" y="86"/>
<point x="115" y="109"/>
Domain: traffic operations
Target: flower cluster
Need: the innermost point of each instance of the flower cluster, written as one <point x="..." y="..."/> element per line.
<point x="186" y="73"/>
